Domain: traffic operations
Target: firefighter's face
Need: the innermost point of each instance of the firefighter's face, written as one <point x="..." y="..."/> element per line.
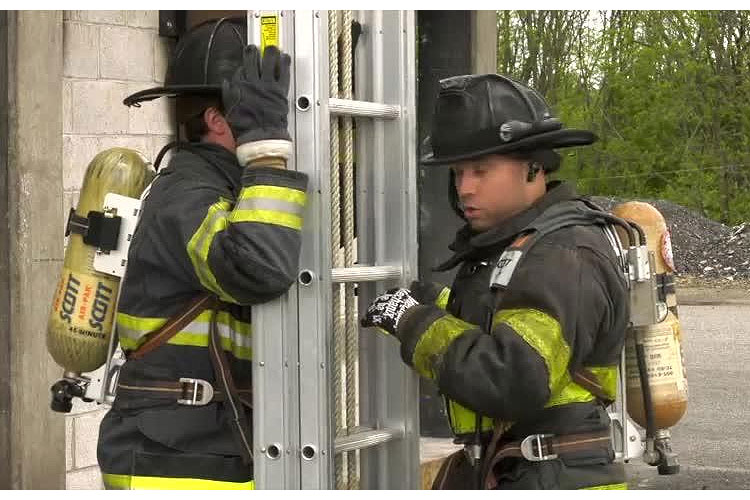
<point x="491" y="189"/>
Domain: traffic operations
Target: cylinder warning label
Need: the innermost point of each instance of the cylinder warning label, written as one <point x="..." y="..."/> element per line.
<point x="269" y="31"/>
<point x="663" y="358"/>
<point x="85" y="304"/>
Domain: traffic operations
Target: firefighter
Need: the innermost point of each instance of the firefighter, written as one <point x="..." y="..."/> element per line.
<point x="527" y="367"/>
<point x="219" y="232"/>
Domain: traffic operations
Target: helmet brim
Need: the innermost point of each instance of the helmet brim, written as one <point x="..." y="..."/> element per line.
<point x="555" y="139"/>
<point x="171" y="91"/>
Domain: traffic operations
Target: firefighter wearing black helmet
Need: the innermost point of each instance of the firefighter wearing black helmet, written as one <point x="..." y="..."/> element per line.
<point x="219" y="231"/>
<point x="526" y="367"/>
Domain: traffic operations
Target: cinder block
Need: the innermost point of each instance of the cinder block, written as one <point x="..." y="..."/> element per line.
<point x="67" y="97"/>
<point x="127" y="53"/>
<point x="143" y="18"/>
<point x="86" y="435"/>
<point x="116" y="17"/>
<point x="78" y="151"/>
<point x="153" y="117"/>
<point x="114" y="52"/>
<point x="163" y="48"/>
<point x="140" y="143"/>
<point x="69" y="442"/>
<point x="89" y="478"/>
<point x="98" y="109"/>
<point x="80" y="50"/>
<point x="140" y="57"/>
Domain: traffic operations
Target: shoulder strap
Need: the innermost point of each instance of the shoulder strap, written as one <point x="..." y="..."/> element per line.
<point x="553" y="219"/>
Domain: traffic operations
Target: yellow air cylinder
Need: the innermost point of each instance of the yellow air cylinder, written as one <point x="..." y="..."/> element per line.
<point x="662" y="341"/>
<point x="80" y="322"/>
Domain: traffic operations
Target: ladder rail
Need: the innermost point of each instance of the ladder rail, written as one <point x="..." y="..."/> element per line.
<point x="294" y="426"/>
<point x="276" y="416"/>
<point x="314" y="295"/>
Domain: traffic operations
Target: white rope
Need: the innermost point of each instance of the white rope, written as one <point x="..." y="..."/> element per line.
<point x="352" y="328"/>
<point x="338" y="325"/>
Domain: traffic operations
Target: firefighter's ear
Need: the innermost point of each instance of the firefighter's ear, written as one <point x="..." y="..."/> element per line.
<point x="216" y="122"/>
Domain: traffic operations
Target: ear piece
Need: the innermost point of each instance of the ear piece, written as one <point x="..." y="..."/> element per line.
<point x="534" y="169"/>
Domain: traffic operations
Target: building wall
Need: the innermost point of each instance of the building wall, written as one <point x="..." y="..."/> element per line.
<point x="107" y="55"/>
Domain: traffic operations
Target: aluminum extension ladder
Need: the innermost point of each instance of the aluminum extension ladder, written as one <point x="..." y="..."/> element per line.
<point x="299" y="438"/>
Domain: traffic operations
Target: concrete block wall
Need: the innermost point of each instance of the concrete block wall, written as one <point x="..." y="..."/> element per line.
<point x="107" y="56"/>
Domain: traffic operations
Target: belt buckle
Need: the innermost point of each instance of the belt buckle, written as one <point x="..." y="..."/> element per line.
<point x="207" y="394"/>
<point x="527" y="448"/>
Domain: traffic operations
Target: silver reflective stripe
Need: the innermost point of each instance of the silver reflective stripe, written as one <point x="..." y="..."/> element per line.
<point x="270" y="204"/>
<point x="196" y="327"/>
<point x="225" y="332"/>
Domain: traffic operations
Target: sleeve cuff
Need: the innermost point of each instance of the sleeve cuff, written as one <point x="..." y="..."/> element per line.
<point x="259" y="175"/>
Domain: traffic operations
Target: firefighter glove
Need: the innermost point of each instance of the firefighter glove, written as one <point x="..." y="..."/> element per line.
<point x="426" y="292"/>
<point x="255" y="100"/>
<point x="386" y="311"/>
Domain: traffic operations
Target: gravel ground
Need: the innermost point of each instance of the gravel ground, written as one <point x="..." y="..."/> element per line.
<point x="704" y="249"/>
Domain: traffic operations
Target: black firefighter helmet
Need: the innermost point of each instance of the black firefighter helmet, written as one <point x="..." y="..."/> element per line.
<point x="477" y="115"/>
<point x="206" y="55"/>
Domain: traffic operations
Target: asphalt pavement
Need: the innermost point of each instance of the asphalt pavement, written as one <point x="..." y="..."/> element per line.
<point x="713" y="438"/>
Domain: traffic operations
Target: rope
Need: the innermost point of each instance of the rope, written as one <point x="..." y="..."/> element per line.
<point x="352" y="328"/>
<point x="338" y="325"/>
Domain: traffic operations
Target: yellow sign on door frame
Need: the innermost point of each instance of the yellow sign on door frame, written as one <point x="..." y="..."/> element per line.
<point x="269" y="31"/>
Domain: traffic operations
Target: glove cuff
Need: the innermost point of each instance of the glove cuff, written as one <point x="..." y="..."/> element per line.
<point x="269" y="148"/>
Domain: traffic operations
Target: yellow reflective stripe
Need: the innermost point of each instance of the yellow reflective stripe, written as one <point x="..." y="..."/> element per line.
<point x="614" y="486"/>
<point x="123" y="482"/>
<point x="267" y="217"/>
<point x="201" y="340"/>
<point x="216" y="220"/>
<point x="569" y="393"/>
<point x="274" y="192"/>
<point x="435" y="341"/>
<point x="255" y="204"/>
<point x="463" y="420"/>
<point x="607" y="377"/>
<point x="543" y="333"/>
<point x="139" y="323"/>
<point x="442" y="300"/>
<point x="236" y="335"/>
<point x="129" y="344"/>
<point x="144" y="325"/>
<point x="574" y="393"/>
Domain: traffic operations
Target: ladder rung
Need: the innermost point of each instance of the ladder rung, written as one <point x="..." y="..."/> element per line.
<point x="366" y="439"/>
<point x="363" y="108"/>
<point x="358" y="274"/>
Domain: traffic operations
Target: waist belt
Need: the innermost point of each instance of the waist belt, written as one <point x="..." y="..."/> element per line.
<point x="542" y="447"/>
<point x="187" y="391"/>
<point x="198" y="390"/>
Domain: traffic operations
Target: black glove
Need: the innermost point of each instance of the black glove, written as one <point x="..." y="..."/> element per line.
<point x="386" y="310"/>
<point x="255" y="100"/>
<point x="427" y="292"/>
